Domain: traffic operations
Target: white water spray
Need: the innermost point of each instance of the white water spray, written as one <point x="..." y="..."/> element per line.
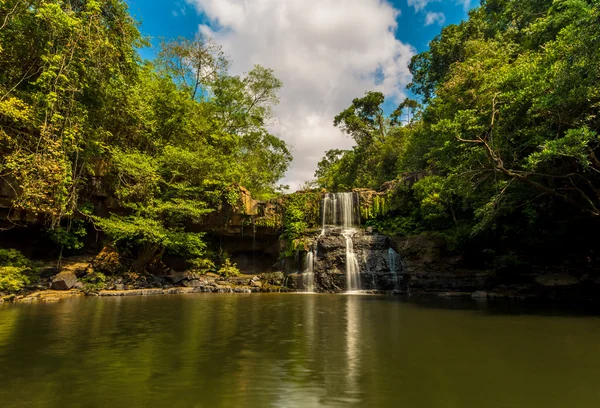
<point x="341" y="210"/>
<point x="308" y="276"/>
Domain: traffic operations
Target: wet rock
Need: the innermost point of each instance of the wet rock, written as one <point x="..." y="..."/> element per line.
<point x="378" y="271"/>
<point x="184" y="278"/>
<point x="256" y="283"/>
<point x="193" y="283"/>
<point x="273" y="278"/>
<point x="64" y="280"/>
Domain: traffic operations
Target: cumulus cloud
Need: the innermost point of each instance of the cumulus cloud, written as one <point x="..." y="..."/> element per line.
<point x="432" y="18"/>
<point x="326" y="52"/>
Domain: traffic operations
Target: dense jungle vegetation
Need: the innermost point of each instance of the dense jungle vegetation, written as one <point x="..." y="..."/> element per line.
<point x="498" y="150"/>
<point x="168" y="139"/>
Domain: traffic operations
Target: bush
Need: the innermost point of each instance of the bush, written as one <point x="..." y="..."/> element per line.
<point x="15" y="270"/>
<point x="94" y="282"/>
<point x="229" y="269"/>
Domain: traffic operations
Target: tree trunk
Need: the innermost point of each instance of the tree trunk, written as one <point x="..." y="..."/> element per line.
<point x="148" y="253"/>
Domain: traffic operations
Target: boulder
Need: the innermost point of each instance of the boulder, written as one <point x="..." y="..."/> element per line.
<point x="183" y="278"/>
<point x="273" y="278"/>
<point x="64" y="280"/>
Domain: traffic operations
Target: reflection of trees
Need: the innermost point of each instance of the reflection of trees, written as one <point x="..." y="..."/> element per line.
<point x="204" y="350"/>
<point x="8" y="319"/>
<point x="287" y="350"/>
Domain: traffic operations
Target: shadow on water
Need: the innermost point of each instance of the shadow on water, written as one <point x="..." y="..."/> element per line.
<point x="496" y="306"/>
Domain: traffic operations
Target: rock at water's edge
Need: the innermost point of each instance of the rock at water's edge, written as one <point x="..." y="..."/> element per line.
<point x="64" y="280"/>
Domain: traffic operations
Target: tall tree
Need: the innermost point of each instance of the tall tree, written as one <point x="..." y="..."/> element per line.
<point x="196" y="64"/>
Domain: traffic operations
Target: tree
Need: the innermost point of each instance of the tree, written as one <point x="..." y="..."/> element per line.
<point x="169" y="139"/>
<point x="60" y="65"/>
<point x="408" y="105"/>
<point x="195" y="64"/>
<point x="364" y="120"/>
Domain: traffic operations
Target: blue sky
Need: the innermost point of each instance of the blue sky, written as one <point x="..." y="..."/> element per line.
<point x="169" y="18"/>
<point x="326" y="52"/>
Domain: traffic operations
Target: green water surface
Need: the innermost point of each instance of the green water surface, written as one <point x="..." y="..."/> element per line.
<point x="282" y="350"/>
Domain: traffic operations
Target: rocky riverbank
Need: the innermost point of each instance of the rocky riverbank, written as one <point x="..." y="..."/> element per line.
<point x="424" y="267"/>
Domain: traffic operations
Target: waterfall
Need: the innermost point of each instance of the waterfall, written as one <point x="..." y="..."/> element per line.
<point x="352" y="268"/>
<point x="394" y="264"/>
<point x="308" y="277"/>
<point x="341" y="210"/>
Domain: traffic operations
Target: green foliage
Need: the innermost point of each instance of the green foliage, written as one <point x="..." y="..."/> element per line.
<point x="228" y="269"/>
<point x="94" y="282"/>
<point x="203" y="265"/>
<point x="373" y="207"/>
<point x="13" y="278"/>
<point x="70" y="237"/>
<point x="16" y="270"/>
<point x="507" y="140"/>
<point x="80" y="112"/>
<point x="12" y="257"/>
<point x="301" y="212"/>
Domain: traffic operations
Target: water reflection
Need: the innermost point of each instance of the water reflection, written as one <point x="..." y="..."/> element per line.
<point x="292" y="351"/>
<point x="352" y="341"/>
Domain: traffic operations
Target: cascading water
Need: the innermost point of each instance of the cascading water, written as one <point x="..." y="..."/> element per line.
<point x="352" y="268"/>
<point x="308" y="277"/>
<point x="395" y="264"/>
<point x="346" y="205"/>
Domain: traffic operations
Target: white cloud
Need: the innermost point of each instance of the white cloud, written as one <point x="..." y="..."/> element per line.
<point x="326" y="52"/>
<point x="432" y="18"/>
<point x="180" y="9"/>
<point x="419" y="5"/>
<point x="466" y="4"/>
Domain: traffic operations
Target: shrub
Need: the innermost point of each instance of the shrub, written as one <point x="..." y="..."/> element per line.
<point x="15" y="270"/>
<point x="229" y="269"/>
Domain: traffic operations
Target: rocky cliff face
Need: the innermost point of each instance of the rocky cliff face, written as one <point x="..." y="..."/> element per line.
<point x="429" y="268"/>
<point x="379" y="266"/>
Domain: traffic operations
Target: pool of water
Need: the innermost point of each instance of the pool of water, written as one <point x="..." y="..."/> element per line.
<point x="300" y="350"/>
